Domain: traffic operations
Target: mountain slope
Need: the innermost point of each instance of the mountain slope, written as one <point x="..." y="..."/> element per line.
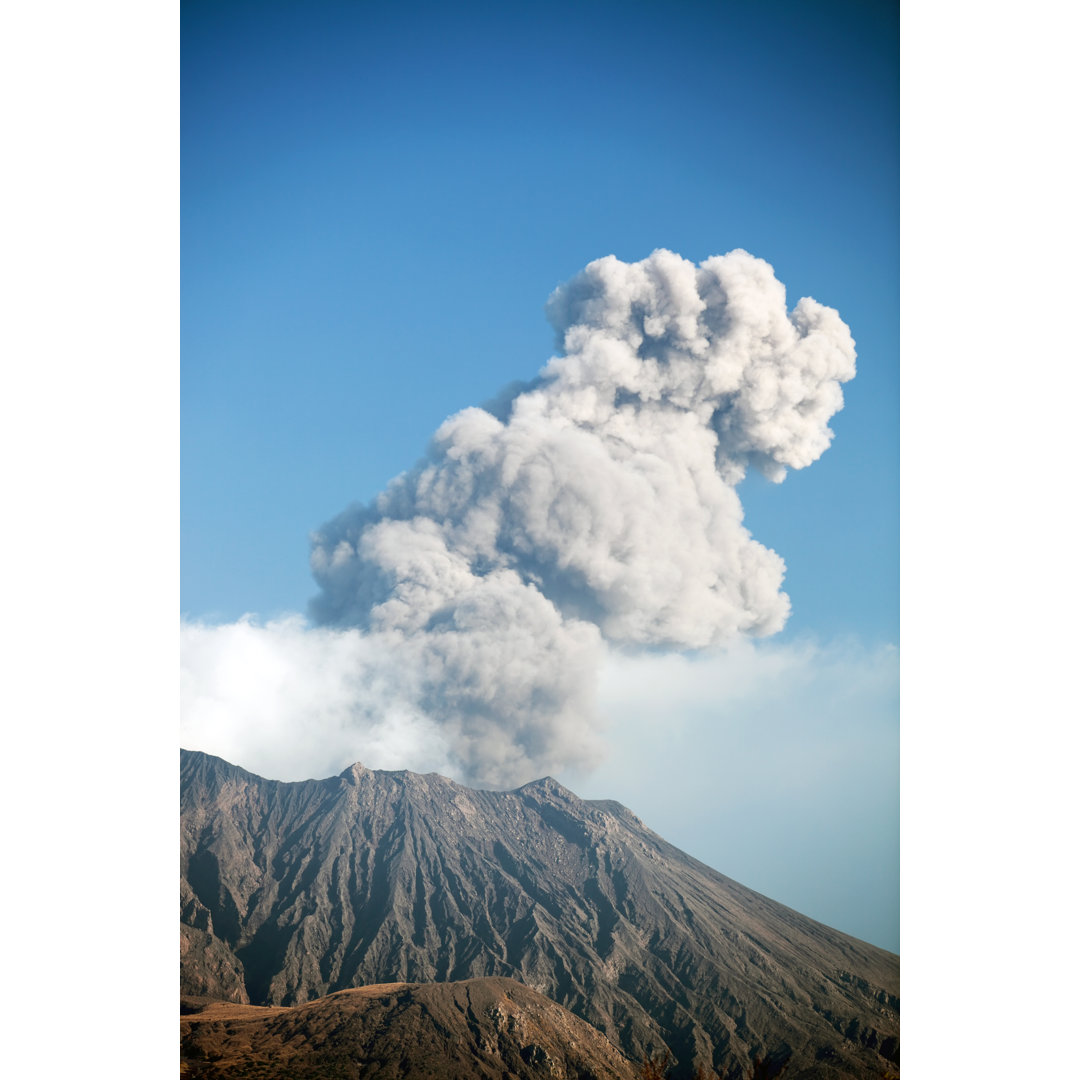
<point x="481" y="1029"/>
<point x="291" y="891"/>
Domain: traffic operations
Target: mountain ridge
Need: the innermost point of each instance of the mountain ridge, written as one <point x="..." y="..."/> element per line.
<point x="477" y="1029"/>
<point x="294" y="889"/>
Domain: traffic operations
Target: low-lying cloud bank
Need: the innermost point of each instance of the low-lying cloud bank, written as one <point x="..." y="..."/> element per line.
<point x="291" y="701"/>
<point x="593" y="509"/>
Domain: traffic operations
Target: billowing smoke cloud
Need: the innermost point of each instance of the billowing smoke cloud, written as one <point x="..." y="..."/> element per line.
<point x="593" y="508"/>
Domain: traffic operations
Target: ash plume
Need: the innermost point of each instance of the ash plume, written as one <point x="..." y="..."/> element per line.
<point x="593" y="508"/>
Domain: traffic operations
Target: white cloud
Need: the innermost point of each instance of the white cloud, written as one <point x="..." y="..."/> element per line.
<point x="294" y="702"/>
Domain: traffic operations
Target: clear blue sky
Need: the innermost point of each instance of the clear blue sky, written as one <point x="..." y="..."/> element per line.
<point x="377" y="199"/>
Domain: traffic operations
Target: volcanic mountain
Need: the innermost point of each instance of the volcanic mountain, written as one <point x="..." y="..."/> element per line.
<point x="293" y="891"/>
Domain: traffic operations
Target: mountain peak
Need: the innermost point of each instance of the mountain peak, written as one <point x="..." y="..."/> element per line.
<point x="547" y="785"/>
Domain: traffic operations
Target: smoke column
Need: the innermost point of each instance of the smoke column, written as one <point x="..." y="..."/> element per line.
<point x="594" y="508"/>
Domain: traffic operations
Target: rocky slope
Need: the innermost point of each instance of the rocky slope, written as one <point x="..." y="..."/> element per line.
<point x="481" y="1029"/>
<point x="291" y="891"/>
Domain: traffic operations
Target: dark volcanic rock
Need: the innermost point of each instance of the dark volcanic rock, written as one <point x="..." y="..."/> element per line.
<point x="373" y="877"/>
<point x="207" y="964"/>
<point x="483" y="1028"/>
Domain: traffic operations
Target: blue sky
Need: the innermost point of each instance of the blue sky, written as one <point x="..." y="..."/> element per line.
<point x="377" y="200"/>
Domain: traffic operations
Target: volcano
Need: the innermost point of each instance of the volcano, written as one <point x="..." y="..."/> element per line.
<point x="291" y="892"/>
